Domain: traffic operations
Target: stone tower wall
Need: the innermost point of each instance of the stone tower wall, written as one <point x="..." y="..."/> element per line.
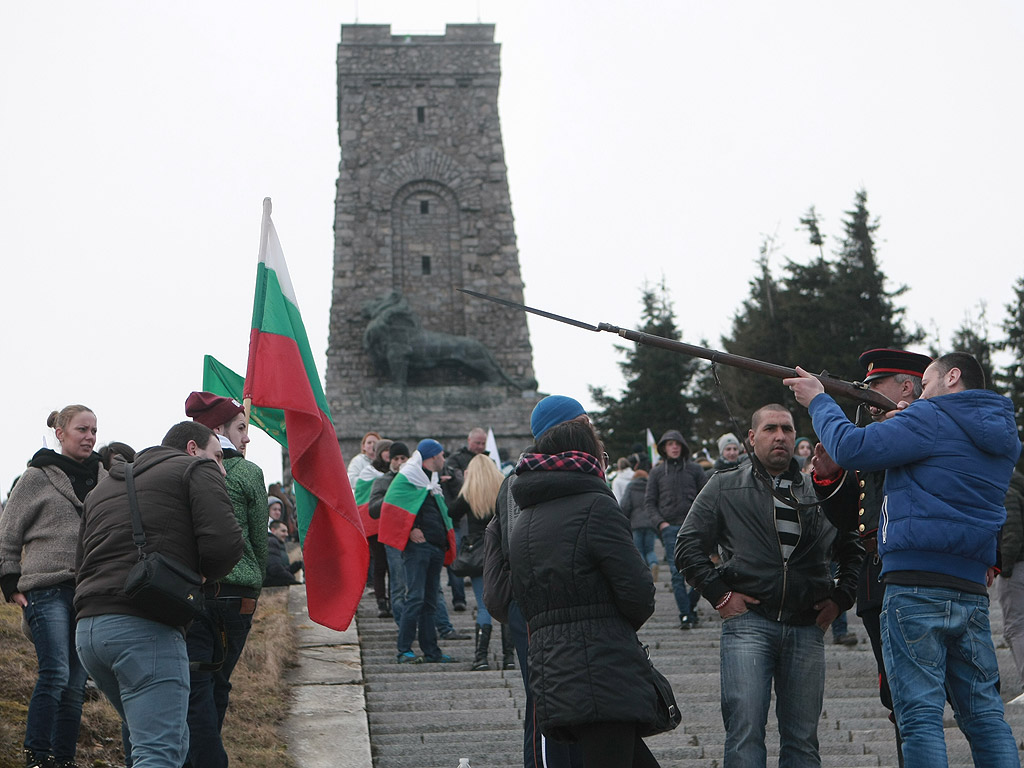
<point x="423" y="207"/>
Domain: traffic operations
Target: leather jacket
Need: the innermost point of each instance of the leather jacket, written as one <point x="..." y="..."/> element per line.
<point x="735" y="516"/>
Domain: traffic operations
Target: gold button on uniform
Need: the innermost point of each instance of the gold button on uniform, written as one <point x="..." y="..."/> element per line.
<point x="861" y="512"/>
<point x="860" y="527"/>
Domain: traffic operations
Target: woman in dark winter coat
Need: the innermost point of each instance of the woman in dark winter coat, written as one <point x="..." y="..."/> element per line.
<point x="584" y="590"/>
<point x="645" y="532"/>
<point x="38" y="541"/>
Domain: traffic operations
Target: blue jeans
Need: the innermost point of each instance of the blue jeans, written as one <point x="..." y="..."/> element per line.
<point x="482" y="614"/>
<point x="55" y="710"/>
<point x="644" y="538"/>
<point x="937" y="641"/>
<point x="142" y="668"/>
<point x="423" y="563"/>
<point x="208" y="699"/>
<point x="686" y="599"/>
<point x="755" y="651"/>
<point x="396" y="577"/>
<point x="442" y="623"/>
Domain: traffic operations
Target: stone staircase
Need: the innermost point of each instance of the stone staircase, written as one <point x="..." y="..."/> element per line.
<point x="430" y="715"/>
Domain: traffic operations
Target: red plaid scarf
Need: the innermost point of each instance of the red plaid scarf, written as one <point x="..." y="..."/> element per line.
<point x="567" y="461"/>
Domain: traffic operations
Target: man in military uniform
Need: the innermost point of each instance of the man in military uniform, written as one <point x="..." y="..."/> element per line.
<point x="897" y="375"/>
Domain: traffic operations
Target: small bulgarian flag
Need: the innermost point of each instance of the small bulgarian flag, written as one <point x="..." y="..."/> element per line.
<point x="281" y="374"/>
<point x="364" y="484"/>
<point x="402" y="502"/>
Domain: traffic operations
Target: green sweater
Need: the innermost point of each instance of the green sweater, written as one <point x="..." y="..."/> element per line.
<point x="249" y="498"/>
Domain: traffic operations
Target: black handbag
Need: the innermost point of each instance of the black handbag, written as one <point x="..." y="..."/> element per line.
<point x="667" y="715"/>
<point x="164" y="588"/>
<point x="470" y="559"/>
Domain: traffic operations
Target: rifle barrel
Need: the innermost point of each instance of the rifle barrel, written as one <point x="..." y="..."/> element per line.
<point x="832" y="386"/>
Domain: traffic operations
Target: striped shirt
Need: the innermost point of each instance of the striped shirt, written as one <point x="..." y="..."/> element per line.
<point x="787" y="520"/>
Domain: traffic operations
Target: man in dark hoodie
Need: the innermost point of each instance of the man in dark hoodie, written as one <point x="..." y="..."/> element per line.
<point x="139" y="662"/>
<point x="671" y="488"/>
<point x="948" y="458"/>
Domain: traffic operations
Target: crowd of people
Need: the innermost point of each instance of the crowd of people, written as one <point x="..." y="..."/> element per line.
<point x="68" y="542"/>
<point x="901" y="513"/>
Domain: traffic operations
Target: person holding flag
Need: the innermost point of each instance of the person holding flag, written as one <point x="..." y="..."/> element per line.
<point x="414" y="519"/>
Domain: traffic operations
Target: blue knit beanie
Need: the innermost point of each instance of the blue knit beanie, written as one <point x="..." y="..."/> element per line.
<point x="429" y="448"/>
<point x="552" y="411"/>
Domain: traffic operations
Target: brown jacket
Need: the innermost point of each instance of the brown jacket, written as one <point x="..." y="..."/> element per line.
<point x="186" y="514"/>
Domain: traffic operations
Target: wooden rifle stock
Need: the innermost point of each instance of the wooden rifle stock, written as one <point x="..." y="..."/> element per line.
<point x="833" y="386"/>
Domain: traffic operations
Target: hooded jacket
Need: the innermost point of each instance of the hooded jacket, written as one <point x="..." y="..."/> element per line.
<point x="673" y="484"/>
<point x="584" y="591"/>
<point x="186" y="514"/>
<point x="948" y="461"/>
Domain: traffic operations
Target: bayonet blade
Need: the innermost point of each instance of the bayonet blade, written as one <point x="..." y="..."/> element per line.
<point x="541" y="312"/>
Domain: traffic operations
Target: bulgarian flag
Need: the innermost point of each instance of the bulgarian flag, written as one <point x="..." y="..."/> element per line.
<point x="281" y="374"/>
<point x="402" y="502"/>
<point x="364" y="484"/>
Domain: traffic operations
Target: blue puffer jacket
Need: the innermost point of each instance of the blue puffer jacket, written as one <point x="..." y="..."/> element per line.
<point x="948" y="460"/>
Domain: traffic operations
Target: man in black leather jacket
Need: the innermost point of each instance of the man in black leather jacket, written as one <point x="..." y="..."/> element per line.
<point x="773" y="587"/>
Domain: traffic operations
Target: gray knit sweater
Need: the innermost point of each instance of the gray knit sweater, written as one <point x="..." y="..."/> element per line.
<point x="39" y="529"/>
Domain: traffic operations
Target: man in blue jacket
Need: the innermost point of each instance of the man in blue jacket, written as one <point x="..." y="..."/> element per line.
<point x="949" y="457"/>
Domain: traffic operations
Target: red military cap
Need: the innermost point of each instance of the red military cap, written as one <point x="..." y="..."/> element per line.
<point x="879" y="363"/>
<point x="211" y="410"/>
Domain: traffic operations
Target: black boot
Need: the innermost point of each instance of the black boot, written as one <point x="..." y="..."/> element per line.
<point x="483" y="640"/>
<point x="508" y="648"/>
<point x="383" y="609"/>
<point x="32" y="760"/>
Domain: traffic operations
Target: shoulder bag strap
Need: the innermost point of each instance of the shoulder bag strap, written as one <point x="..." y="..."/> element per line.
<point x="138" y="534"/>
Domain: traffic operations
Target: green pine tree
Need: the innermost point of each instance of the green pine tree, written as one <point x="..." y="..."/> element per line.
<point x="656" y="380"/>
<point x="972" y="337"/>
<point x="1010" y="378"/>
<point x="820" y="315"/>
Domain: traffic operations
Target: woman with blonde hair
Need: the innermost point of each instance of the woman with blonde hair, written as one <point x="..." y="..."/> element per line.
<point x="476" y="502"/>
<point x="38" y="542"/>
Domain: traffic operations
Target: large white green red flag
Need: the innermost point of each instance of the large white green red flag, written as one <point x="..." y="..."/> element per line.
<point x="281" y="374"/>
<point x="402" y="503"/>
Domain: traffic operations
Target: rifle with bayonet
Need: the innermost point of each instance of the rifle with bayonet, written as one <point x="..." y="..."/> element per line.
<point x="854" y="390"/>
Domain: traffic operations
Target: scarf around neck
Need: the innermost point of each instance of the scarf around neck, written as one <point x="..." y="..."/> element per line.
<point x="567" y="461"/>
<point x="82" y="474"/>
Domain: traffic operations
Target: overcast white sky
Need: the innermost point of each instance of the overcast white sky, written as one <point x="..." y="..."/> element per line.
<point x="137" y="141"/>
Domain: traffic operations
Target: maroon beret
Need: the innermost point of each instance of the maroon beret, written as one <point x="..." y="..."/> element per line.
<point x="211" y="410"/>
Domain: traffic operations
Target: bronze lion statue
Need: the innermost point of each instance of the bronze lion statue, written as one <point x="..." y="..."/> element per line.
<point x="398" y="344"/>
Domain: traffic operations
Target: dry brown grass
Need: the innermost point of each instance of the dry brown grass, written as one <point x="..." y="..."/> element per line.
<point x="260" y="696"/>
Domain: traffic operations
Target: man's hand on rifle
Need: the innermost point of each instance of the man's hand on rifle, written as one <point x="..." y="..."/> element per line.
<point x="805" y="387"/>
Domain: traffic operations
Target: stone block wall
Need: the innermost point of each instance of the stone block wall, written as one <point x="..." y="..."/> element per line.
<point x="423" y="208"/>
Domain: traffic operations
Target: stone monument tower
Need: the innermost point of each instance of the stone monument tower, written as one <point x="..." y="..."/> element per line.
<point x="422" y="209"/>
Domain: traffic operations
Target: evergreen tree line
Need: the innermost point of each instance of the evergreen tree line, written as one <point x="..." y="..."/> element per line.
<point x="823" y="313"/>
